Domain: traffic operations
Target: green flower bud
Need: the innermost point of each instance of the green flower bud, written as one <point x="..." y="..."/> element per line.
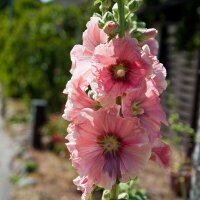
<point x="106" y="195"/>
<point x="115" y="8"/>
<point x="101" y="24"/>
<point x="133" y="5"/>
<point x="108" y="16"/>
<point x="106" y="4"/>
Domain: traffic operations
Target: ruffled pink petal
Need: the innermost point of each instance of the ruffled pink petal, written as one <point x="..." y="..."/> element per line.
<point x="81" y="63"/>
<point x="153" y="46"/>
<point x="76" y="90"/>
<point x="84" y="185"/>
<point x="93" y="36"/>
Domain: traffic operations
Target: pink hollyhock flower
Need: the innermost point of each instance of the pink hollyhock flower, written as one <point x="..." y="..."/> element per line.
<point x="119" y="66"/>
<point x="161" y="154"/>
<point x="93" y="36"/>
<point x="108" y="148"/>
<point x="147" y="109"/>
<point x="156" y="80"/>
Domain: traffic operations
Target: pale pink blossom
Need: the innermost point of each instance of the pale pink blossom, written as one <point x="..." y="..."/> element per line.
<point x="157" y="79"/>
<point x="93" y="36"/>
<point x="146" y="108"/>
<point x="119" y="66"/>
<point x="161" y="154"/>
<point x="108" y="148"/>
<point x="81" y="54"/>
<point x="81" y="63"/>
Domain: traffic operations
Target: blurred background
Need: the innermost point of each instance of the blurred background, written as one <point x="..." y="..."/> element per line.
<point x="35" y="42"/>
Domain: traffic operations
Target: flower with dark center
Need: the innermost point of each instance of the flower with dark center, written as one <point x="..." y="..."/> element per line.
<point x="119" y="67"/>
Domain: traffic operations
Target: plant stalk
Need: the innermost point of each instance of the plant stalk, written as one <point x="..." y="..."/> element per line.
<point x="121" y="17"/>
<point x="114" y="192"/>
<point x="91" y="197"/>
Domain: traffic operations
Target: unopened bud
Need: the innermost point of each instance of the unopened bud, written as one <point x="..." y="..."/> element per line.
<point x="115" y="11"/>
<point x="150" y="33"/>
<point x="108" y="16"/>
<point x="133" y="5"/>
<point x="101" y="24"/>
<point x="106" y="4"/>
<point x="110" y="27"/>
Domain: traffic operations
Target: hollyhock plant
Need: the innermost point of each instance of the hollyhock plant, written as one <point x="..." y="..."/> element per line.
<point x="113" y="100"/>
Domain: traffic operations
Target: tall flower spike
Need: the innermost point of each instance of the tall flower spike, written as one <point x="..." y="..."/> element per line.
<point x="113" y="100"/>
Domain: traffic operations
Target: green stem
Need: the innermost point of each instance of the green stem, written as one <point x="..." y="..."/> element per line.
<point x="121" y="17"/>
<point x="114" y="192"/>
<point x="91" y="198"/>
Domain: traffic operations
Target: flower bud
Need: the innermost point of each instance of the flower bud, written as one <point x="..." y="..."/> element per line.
<point x="115" y="11"/>
<point x="150" y="33"/>
<point x="101" y="24"/>
<point x="108" y="16"/>
<point x="133" y="5"/>
<point x="106" y="4"/>
<point x="110" y="27"/>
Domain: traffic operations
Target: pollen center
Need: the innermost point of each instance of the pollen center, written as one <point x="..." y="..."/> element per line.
<point x="119" y="71"/>
<point x="110" y="144"/>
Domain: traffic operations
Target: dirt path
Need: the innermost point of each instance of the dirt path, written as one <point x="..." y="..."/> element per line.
<point x="6" y="152"/>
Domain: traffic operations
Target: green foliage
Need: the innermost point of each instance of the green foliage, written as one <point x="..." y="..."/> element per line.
<point x="35" y="47"/>
<point x="14" y="178"/>
<point x="126" y="191"/>
<point x="122" y="13"/>
<point x="3" y="4"/>
<point x="179" y="128"/>
<point x="30" y="166"/>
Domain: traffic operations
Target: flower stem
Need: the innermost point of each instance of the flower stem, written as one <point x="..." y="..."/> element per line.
<point x="91" y="197"/>
<point x="114" y="192"/>
<point x="121" y="17"/>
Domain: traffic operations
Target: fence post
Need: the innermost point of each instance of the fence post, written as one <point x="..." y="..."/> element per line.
<point x="38" y="120"/>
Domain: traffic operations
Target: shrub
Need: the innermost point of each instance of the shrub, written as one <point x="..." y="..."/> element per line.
<point x="34" y="49"/>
